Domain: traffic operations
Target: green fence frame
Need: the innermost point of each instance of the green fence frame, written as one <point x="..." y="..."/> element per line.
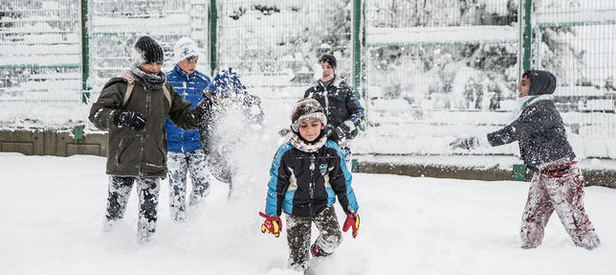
<point x="85" y="51"/>
<point x="212" y="28"/>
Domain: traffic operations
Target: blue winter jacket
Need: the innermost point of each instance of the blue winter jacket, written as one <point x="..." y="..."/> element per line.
<point x="305" y="183"/>
<point x="191" y="88"/>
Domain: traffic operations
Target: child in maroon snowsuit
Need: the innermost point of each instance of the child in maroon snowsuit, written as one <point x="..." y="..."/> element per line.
<point x="557" y="183"/>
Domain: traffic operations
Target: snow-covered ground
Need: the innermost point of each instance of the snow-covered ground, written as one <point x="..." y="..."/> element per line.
<point x="51" y="212"/>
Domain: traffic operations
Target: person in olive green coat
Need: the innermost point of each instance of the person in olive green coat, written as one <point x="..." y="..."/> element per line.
<point x="133" y="108"/>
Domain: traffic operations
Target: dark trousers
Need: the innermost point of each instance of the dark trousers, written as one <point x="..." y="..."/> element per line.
<point x="147" y="189"/>
<point x="298" y="235"/>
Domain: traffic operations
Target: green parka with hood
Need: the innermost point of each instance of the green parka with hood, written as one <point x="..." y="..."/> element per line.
<point x="143" y="152"/>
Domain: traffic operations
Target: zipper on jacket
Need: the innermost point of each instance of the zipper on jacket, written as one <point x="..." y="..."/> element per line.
<point x="312" y="184"/>
<point x="144" y="135"/>
<point x="325" y="97"/>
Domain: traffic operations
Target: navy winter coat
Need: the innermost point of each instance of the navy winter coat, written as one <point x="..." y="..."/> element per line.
<point x="539" y="129"/>
<point x="191" y="88"/>
<point x="339" y="102"/>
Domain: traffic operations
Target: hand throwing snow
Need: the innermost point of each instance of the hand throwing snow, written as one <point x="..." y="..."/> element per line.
<point x="468" y="143"/>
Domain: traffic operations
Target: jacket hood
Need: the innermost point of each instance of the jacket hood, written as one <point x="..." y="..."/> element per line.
<point x="115" y="80"/>
<point x="541" y="82"/>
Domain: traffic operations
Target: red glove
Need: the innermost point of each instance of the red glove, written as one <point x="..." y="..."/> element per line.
<point x="352" y="220"/>
<point x="271" y="224"/>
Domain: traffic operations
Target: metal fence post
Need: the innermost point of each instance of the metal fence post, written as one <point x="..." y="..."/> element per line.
<point x="519" y="172"/>
<point x="85" y="61"/>
<point x="356" y="46"/>
<point x="528" y="5"/>
<point x="212" y="22"/>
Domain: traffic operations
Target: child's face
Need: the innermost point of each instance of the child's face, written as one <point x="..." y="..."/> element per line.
<point x="328" y="72"/>
<point x="310" y="129"/>
<point x="524" y="87"/>
<point x="151" y="68"/>
<point x="188" y="64"/>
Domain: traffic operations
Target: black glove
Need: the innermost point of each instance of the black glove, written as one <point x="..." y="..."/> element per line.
<point x="330" y="132"/>
<point x="342" y="131"/>
<point x="345" y="128"/>
<point x="131" y="119"/>
<point x="203" y="107"/>
<point x="468" y="143"/>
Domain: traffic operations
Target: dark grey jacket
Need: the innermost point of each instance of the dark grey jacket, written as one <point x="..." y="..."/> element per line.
<point x="339" y="102"/>
<point x="144" y="152"/>
<point x="540" y="133"/>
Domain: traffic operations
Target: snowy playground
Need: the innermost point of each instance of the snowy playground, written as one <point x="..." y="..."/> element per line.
<point x="52" y="224"/>
<point x="426" y="73"/>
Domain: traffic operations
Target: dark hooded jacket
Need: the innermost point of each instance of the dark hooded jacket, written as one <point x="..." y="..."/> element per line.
<point x="139" y="153"/>
<point x="539" y="129"/>
<point x="340" y="104"/>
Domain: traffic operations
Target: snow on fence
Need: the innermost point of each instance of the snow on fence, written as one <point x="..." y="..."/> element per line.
<point x="114" y="27"/>
<point x="40" y="51"/>
<point x="432" y="70"/>
<point x="440" y="35"/>
<point x="276" y="44"/>
<point x="441" y="69"/>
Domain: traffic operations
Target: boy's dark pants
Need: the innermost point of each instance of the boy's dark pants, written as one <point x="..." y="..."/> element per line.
<point x="147" y="189"/>
<point x="562" y="193"/>
<point x="298" y="235"/>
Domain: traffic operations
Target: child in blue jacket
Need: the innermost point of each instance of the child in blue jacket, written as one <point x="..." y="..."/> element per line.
<point x="185" y="151"/>
<point x="307" y="173"/>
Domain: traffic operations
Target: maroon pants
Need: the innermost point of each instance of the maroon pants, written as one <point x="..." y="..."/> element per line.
<point x="562" y="192"/>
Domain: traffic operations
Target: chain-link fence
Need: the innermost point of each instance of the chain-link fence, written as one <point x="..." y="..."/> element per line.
<point x="40" y="51"/>
<point x="437" y="69"/>
<point x="440" y="69"/>
<point x="276" y="44"/>
<point x="432" y="70"/>
<point x="114" y="27"/>
<point x="576" y="40"/>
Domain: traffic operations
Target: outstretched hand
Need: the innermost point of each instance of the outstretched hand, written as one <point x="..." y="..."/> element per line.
<point x="468" y="143"/>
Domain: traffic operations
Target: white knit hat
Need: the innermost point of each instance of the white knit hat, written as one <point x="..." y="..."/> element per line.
<point x="184" y="48"/>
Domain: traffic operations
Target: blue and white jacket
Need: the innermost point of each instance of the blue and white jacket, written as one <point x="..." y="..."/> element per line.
<point x="191" y="88"/>
<point x="305" y="183"/>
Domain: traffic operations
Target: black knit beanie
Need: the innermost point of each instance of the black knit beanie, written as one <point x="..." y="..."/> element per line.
<point x="329" y="59"/>
<point x="148" y="51"/>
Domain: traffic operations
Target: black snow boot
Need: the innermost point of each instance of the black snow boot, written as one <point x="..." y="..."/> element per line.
<point x="317" y="251"/>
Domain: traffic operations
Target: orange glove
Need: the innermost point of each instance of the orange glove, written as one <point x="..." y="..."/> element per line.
<point x="352" y="221"/>
<point x="271" y="224"/>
